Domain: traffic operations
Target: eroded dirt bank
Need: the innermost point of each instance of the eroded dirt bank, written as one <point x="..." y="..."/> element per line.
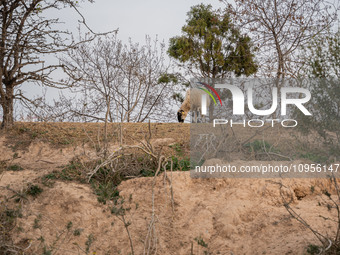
<point x="199" y="216"/>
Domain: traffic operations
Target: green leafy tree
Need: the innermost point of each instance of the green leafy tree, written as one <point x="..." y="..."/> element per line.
<point x="324" y="71"/>
<point x="211" y="46"/>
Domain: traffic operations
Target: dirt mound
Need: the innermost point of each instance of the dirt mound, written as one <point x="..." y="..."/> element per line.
<point x="231" y="216"/>
<point x="188" y="216"/>
<point x="63" y="218"/>
<point x="228" y="216"/>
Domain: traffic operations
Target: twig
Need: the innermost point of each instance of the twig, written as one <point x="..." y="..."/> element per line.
<point x="16" y="193"/>
<point x="106" y="162"/>
<point x="151" y="228"/>
<point x="171" y="189"/>
<point x="256" y="133"/>
<point x="276" y="154"/>
<point x="296" y="216"/>
<point x="126" y="225"/>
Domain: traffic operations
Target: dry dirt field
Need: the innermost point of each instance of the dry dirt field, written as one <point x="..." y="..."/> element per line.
<point x="173" y="214"/>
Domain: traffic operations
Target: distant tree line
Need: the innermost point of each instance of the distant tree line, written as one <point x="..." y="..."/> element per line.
<point x="113" y="81"/>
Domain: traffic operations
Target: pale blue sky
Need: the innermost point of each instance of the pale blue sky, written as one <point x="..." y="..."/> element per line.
<point x="135" y="18"/>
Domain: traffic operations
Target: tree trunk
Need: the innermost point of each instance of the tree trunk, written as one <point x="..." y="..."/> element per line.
<point x="7" y="108"/>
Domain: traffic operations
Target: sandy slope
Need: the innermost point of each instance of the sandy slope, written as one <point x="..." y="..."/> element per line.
<point x="232" y="216"/>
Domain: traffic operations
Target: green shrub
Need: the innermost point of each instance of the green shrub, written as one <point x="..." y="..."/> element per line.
<point x="33" y="190"/>
<point x="105" y="191"/>
<point x="258" y="146"/>
<point x="313" y="249"/>
<point x="14" y="168"/>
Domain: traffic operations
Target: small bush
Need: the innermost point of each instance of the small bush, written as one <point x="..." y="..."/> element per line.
<point x="178" y="149"/>
<point x="46" y="251"/>
<point x="48" y="179"/>
<point x="179" y="164"/>
<point x="313" y="249"/>
<point x="105" y="192"/>
<point x="69" y="225"/>
<point x="201" y="242"/>
<point x="51" y="176"/>
<point x="258" y="146"/>
<point x="33" y="190"/>
<point x="36" y="223"/>
<point x="88" y="243"/>
<point x="314" y="157"/>
<point x="7" y="222"/>
<point x="74" y="171"/>
<point x="130" y="162"/>
<point x="77" y="232"/>
<point x="14" y="168"/>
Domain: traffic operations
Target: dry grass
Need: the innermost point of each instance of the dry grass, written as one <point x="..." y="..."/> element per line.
<point x="290" y="143"/>
<point x="67" y="133"/>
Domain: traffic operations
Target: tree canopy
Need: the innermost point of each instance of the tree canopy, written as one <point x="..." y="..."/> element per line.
<point x="212" y="46"/>
<point x="323" y="69"/>
<point x="281" y="28"/>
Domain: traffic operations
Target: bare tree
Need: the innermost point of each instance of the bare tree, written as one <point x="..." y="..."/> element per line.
<point x="281" y="27"/>
<point x="27" y="37"/>
<point x="120" y="83"/>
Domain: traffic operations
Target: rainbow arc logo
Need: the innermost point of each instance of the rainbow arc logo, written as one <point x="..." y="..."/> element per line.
<point x="209" y="93"/>
<point x="204" y="97"/>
